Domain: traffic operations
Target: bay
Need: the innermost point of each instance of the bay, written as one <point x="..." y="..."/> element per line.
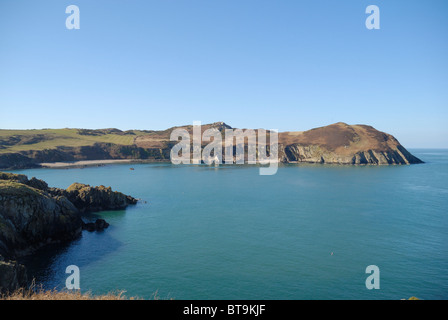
<point x="307" y="232"/>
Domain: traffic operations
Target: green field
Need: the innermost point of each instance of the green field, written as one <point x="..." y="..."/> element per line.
<point x="25" y="140"/>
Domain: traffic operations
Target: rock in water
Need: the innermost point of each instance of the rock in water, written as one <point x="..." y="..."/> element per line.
<point x="90" y="226"/>
<point x="90" y="199"/>
<point x="101" y="224"/>
<point x="98" y="225"/>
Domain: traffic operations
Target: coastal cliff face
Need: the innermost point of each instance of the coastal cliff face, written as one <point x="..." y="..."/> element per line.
<point x="12" y="276"/>
<point x="87" y="198"/>
<point x="341" y="143"/>
<point x="33" y="215"/>
<point x="316" y="154"/>
<point x="338" y="143"/>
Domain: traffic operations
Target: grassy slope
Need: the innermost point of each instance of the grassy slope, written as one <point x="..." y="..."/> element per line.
<point x="52" y="138"/>
<point x="17" y="189"/>
<point x="339" y="137"/>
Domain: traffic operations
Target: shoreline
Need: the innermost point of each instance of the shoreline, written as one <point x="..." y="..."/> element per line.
<point x="100" y="163"/>
<point x="91" y="163"/>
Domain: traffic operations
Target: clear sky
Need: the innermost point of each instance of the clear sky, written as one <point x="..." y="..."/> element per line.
<point x="275" y="64"/>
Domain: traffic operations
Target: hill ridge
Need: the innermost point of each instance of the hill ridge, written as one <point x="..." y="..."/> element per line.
<point x="338" y="143"/>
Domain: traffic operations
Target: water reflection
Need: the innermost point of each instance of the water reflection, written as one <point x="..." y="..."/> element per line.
<point x="48" y="264"/>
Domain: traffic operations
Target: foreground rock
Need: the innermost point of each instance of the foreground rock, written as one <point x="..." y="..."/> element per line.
<point x="12" y="276"/>
<point x="33" y="215"/>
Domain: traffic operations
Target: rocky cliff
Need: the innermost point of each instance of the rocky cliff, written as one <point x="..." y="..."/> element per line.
<point x="341" y="143"/>
<point x="87" y="198"/>
<point x="337" y="143"/>
<point x="33" y="215"/>
<point x="12" y="276"/>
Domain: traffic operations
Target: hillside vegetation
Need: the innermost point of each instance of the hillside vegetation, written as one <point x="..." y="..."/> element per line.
<point x="25" y="140"/>
<point x="337" y="143"/>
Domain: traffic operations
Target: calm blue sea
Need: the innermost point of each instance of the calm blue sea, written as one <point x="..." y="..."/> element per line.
<point x="308" y="232"/>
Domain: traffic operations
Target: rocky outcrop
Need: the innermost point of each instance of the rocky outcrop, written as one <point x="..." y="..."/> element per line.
<point x="341" y="143"/>
<point x="98" y="225"/>
<point x="12" y="276"/>
<point x="16" y="161"/>
<point x="316" y="154"/>
<point x="32" y="214"/>
<point x="87" y="198"/>
<point x="31" y="218"/>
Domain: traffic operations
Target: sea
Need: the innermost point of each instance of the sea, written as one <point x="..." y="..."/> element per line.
<point x="310" y="231"/>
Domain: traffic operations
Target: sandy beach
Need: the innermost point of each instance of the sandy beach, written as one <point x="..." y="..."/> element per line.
<point x="86" y="163"/>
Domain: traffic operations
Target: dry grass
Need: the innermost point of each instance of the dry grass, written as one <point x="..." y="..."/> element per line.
<point x="61" y="295"/>
<point x="34" y="293"/>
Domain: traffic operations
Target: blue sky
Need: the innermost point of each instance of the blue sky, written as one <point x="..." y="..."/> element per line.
<point x="283" y="64"/>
